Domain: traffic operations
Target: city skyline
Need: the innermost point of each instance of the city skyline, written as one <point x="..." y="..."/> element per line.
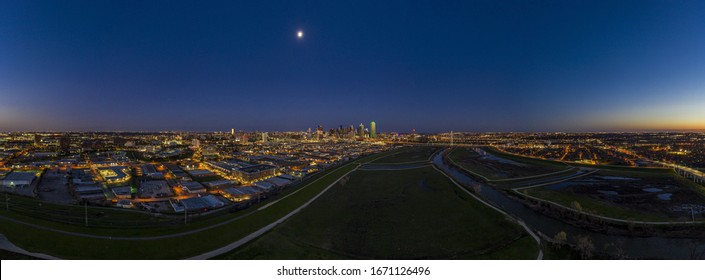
<point x="433" y="67"/>
<point x="353" y="138"/>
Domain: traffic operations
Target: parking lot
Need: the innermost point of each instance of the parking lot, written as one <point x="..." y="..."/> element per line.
<point x="54" y="187"/>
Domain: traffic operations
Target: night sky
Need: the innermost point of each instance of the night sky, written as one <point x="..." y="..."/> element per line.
<point x="457" y="65"/>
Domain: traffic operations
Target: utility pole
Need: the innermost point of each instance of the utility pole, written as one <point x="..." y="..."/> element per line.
<point x="185" y="212"/>
<point x="85" y="203"/>
<point x="7" y="203"/>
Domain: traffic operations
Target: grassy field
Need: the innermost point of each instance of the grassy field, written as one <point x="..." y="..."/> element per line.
<point x="7" y="255"/>
<point x="503" y="166"/>
<point x="76" y="214"/>
<point x="591" y="205"/>
<point x="523" y="159"/>
<point x="656" y="173"/>
<point x="553" y="252"/>
<point x="410" y="154"/>
<point x="407" y="214"/>
<point x="77" y="247"/>
<point x="631" y="203"/>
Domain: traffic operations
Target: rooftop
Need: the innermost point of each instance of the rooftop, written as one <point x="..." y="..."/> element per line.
<point x="257" y="168"/>
<point x="20" y="176"/>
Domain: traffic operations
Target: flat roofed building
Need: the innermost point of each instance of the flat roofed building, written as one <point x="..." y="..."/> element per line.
<point x="115" y="174"/>
<point x="203" y="203"/>
<point x="89" y="192"/>
<point x="255" y="173"/>
<point x="241" y="193"/>
<point x="149" y="170"/>
<point x="193" y="187"/>
<point x="19" y="179"/>
<point x="220" y="184"/>
<point x="222" y="166"/>
<point x="176" y="170"/>
<point x="200" y="173"/>
<point x="265" y="185"/>
<point x="278" y="181"/>
<point x="195" y="204"/>
<point x="287" y="177"/>
<point x="88" y="189"/>
<point x="122" y="192"/>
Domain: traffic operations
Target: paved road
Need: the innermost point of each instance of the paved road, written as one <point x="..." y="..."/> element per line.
<point x="6" y="245"/>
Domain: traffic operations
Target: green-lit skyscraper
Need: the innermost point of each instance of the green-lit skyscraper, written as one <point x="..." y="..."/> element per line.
<point x="373" y="130"/>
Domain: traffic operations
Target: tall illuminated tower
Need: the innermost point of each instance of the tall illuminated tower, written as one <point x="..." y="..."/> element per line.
<point x="373" y="130"/>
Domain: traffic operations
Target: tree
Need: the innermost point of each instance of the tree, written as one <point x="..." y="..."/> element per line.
<point x="585" y="247"/>
<point x="621" y="254"/>
<point x="477" y="188"/>
<point x="344" y="180"/>
<point x="576" y="205"/>
<point x="560" y="239"/>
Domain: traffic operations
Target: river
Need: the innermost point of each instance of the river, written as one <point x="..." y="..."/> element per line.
<point x="633" y="247"/>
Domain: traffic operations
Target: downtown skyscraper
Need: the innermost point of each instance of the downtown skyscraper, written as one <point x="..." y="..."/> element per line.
<point x="373" y="130"/>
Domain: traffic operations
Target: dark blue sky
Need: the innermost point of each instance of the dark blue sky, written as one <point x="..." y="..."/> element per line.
<point x="429" y="65"/>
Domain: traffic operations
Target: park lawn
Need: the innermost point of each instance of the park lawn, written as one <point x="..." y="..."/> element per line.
<point x="513" y="251"/>
<point x="410" y="154"/>
<point x="7" y="255"/>
<point x="457" y="155"/>
<point x="407" y="214"/>
<point x="77" y="247"/>
<point x="527" y="160"/>
<point x="590" y="205"/>
<point x="656" y="173"/>
<point x="554" y="252"/>
<point x="76" y="214"/>
<point x="274" y="243"/>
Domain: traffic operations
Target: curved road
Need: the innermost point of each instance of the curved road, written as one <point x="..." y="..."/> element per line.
<point x="520" y="222"/>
